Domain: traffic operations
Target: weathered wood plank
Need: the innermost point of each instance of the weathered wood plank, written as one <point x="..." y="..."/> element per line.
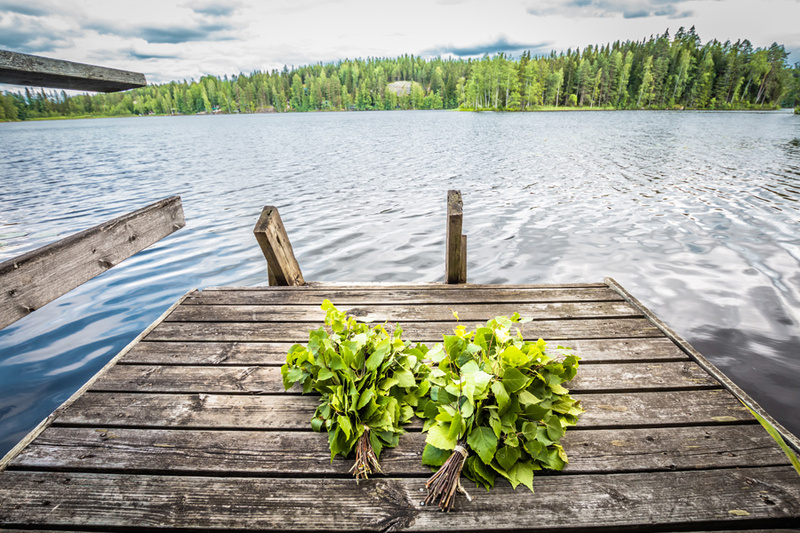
<point x="455" y="270"/>
<point x="412" y="331"/>
<point x="274" y="353"/>
<point x="284" y="412"/>
<point x="68" y="402"/>
<point x="400" y="296"/>
<point x="264" y="379"/>
<point x="416" y="285"/>
<point x="400" y="313"/>
<point x="277" y="249"/>
<point x="764" y="496"/>
<point x="24" y="69"/>
<point x="281" y="453"/>
<point x="40" y="276"/>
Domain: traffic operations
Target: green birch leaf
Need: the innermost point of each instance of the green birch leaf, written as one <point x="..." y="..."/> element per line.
<point x="523" y="472"/>
<point x="364" y="399"/>
<point x="438" y="436"/>
<point x="433" y="456"/>
<point x="404" y="378"/>
<point x="344" y="424"/>
<point x="513" y="357"/>
<point x="526" y="398"/>
<point x="436" y="354"/>
<point x="486" y="474"/>
<point x="456" y="427"/>
<point x="483" y="441"/>
<point x="500" y="394"/>
<point x="376" y="358"/>
<point x="324" y="374"/>
<point x="317" y="424"/>
<point x="554" y="429"/>
<point x="514" y="380"/>
<point x="495" y="424"/>
<point x="507" y="457"/>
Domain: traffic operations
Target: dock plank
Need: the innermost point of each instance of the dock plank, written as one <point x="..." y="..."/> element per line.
<point x="412" y="331"/>
<point x="255" y="379"/>
<point x="282" y="453"/>
<point x="759" y="497"/>
<point x="401" y="313"/>
<point x="275" y="412"/>
<point x="191" y="428"/>
<point x="357" y="295"/>
<point x="274" y="353"/>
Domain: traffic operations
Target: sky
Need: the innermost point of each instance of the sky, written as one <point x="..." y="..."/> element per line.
<point x="188" y="39"/>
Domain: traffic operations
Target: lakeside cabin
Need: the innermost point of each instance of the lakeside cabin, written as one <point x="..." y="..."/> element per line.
<point x="189" y="427"/>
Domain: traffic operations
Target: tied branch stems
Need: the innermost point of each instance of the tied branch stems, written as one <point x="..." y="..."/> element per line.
<point x="443" y="485"/>
<point x="366" y="461"/>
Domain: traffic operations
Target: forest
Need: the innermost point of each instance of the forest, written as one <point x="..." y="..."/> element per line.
<point x="662" y="72"/>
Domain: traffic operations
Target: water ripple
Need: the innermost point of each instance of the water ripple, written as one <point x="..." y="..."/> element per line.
<point x="695" y="213"/>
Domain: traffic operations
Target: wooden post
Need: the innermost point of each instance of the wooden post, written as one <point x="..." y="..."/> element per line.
<point x="456" y="245"/>
<point x="282" y="267"/>
<point x="38" y="277"/>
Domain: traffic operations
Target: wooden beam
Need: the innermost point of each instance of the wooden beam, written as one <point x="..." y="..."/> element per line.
<point x="38" y="277"/>
<point x="282" y="267"/>
<point x="24" y="69"/>
<point x="456" y="251"/>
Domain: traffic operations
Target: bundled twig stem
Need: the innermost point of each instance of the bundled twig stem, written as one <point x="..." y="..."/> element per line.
<point x="443" y="485"/>
<point x="366" y="461"/>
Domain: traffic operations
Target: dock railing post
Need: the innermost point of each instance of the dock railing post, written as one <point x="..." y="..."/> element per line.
<point x="282" y="267"/>
<point x="456" y="245"/>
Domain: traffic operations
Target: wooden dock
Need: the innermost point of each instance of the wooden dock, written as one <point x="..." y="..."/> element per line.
<point x="189" y="427"/>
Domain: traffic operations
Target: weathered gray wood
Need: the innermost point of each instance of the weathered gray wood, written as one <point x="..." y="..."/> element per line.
<point x="400" y="296"/>
<point x="264" y="379"/>
<point x="55" y="414"/>
<point x="274" y="412"/>
<point x="282" y="453"/>
<point x="680" y="499"/>
<point x="462" y="276"/>
<point x="412" y="331"/>
<point x="274" y="242"/>
<point x="40" y="276"/>
<point x="295" y="453"/>
<point x="274" y="353"/>
<point x="400" y="285"/>
<point x="400" y="313"/>
<point x="791" y="439"/>
<point x="24" y="69"/>
<point x="455" y="247"/>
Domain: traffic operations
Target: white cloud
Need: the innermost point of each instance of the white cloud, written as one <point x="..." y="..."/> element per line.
<point x="190" y="38"/>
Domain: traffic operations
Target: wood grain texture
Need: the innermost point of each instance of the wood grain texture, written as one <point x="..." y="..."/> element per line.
<point x="412" y="331"/>
<point x="764" y="496"/>
<point x="401" y="313"/>
<point x="260" y="379"/>
<point x="402" y="295"/>
<point x="289" y="412"/>
<point x="282" y="453"/>
<point x="455" y="270"/>
<point x="274" y="353"/>
<point x="40" y="276"/>
<point x="24" y="69"/>
<point x="271" y="235"/>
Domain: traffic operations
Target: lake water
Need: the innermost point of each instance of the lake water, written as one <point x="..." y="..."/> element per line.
<point x="696" y="214"/>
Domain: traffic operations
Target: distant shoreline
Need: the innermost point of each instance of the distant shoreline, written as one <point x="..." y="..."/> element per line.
<point x="547" y="109"/>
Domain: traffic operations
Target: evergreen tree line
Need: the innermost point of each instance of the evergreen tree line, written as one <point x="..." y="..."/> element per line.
<point x="658" y="73"/>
